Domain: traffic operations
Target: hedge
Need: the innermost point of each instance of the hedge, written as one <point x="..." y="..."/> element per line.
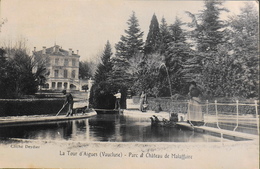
<point x="20" y="107"/>
<point x="181" y="106"/>
<point x="166" y="104"/>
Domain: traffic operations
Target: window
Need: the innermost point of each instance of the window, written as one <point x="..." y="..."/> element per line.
<point x="65" y="73"/>
<point x="65" y="85"/>
<point x="59" y="85"/>
<point x="46" y="86"/>
<point x="73" y="74"/>
<point x="66" y="62"/>
<point x="73" y="62"/>
<point x="53" y="84"/>
<point x="56" y="73"/>
<point x="57" y="61"/>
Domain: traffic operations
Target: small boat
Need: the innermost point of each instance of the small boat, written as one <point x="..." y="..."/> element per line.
<point x="189" y="125"/>
<point x="155" y="121"/>
<point x="109" y="111"/>
<point x="44" y="119"/>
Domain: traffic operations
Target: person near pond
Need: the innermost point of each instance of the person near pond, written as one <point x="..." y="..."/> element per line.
<point x="143" y="102"/>
<point x="69" y="101"/>
<point x="194" y="114"/>
<point x="118" y="98"/>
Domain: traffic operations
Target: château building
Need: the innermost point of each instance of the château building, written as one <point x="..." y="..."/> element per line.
<point x="63" y="68"/>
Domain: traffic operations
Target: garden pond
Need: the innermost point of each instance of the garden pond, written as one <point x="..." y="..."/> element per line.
<point x="104" y="128"/>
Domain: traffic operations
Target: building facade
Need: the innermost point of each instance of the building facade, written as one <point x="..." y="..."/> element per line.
<point x="63" y="68"/>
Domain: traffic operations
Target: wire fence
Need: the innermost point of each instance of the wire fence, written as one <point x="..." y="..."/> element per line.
<point x="241" y="117"/>
<point x="235" y="116"/>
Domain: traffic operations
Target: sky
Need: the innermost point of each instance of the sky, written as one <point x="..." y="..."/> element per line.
<point x="86" y="25"/>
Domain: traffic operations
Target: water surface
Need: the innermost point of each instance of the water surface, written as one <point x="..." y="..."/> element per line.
<point x="105" y="128"/>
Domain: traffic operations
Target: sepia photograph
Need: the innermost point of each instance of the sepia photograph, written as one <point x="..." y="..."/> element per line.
<point x="107" y="84"/>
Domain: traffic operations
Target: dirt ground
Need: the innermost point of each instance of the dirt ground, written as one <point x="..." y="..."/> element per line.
<point x="101" y="155"/>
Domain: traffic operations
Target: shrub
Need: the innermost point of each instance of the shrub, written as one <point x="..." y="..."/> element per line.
<point x="181" y="106"/>
<point x="102" y="95"/>
<point x="20" y="107"/>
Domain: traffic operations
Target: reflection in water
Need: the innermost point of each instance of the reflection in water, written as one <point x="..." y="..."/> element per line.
<point x="107" y="128"/>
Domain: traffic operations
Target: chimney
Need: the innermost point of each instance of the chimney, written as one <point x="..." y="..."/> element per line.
<point x="34" y="49"/>
<point x="44" y="50"/>
<point x="77" y="52"/>
<point x="56" y="48"/>
<point x="70" y="51"/>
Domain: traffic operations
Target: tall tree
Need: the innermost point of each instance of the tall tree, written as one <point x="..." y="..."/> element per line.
<point x="4" y="68"/>
<point x="245" y="45"/>
<point x="153" y="38"/>
<point x="105" y="67"/>
<point x="129" y="46"/>
<point x="85" y="71"/>
<point x="176" y="54"/>
<point x="119" y="74"/>
<point x="145" y="71"/>
<point x="233" y="69"/>
<point x="107" y="54"/>
<point x="40" y="63"/>
<point x="17" y="74"/>
<point x="208" y="34"/>
<point x="132" y="42"/>
<point x="107" y="82"/>
<point x="165" y="36"/>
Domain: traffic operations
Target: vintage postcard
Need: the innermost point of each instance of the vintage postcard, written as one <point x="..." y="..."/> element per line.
<point x="111" y="84"/>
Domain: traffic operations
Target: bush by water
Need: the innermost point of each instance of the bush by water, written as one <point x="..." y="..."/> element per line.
<point x="20" y="107"/>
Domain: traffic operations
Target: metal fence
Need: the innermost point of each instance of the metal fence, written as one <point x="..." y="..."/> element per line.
<point x="237" y="116"/>
<point x="234" y="116"/>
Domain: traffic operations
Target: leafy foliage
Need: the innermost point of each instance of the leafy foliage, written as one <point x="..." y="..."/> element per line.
<point x="245" y="44"/>
<point x="177" y="53"/>
<point x="40" y="71"/>
<point x="106" y="83"/>
<point x="145" y="72"/>
<point x="17" y="77"/>
<point x="85" y="71"/>
<point x="102" y="95"/>
<point x="221" y="74"/>
<point x="209" y="36"/>
<point x="226" y="62"/>
<point x="5" y="79"/>
<point x="119" y="74"/>
<point x="132" y="42"/>
<point x="208" y="26"/>
<point x="165" y="36"/>
<point x="153" y="38"/>
<point x="105" y="67"/>
<point x="129" y="46"/>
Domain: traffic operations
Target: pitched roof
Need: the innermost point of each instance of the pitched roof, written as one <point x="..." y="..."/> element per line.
<point x="55" y="50"/>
